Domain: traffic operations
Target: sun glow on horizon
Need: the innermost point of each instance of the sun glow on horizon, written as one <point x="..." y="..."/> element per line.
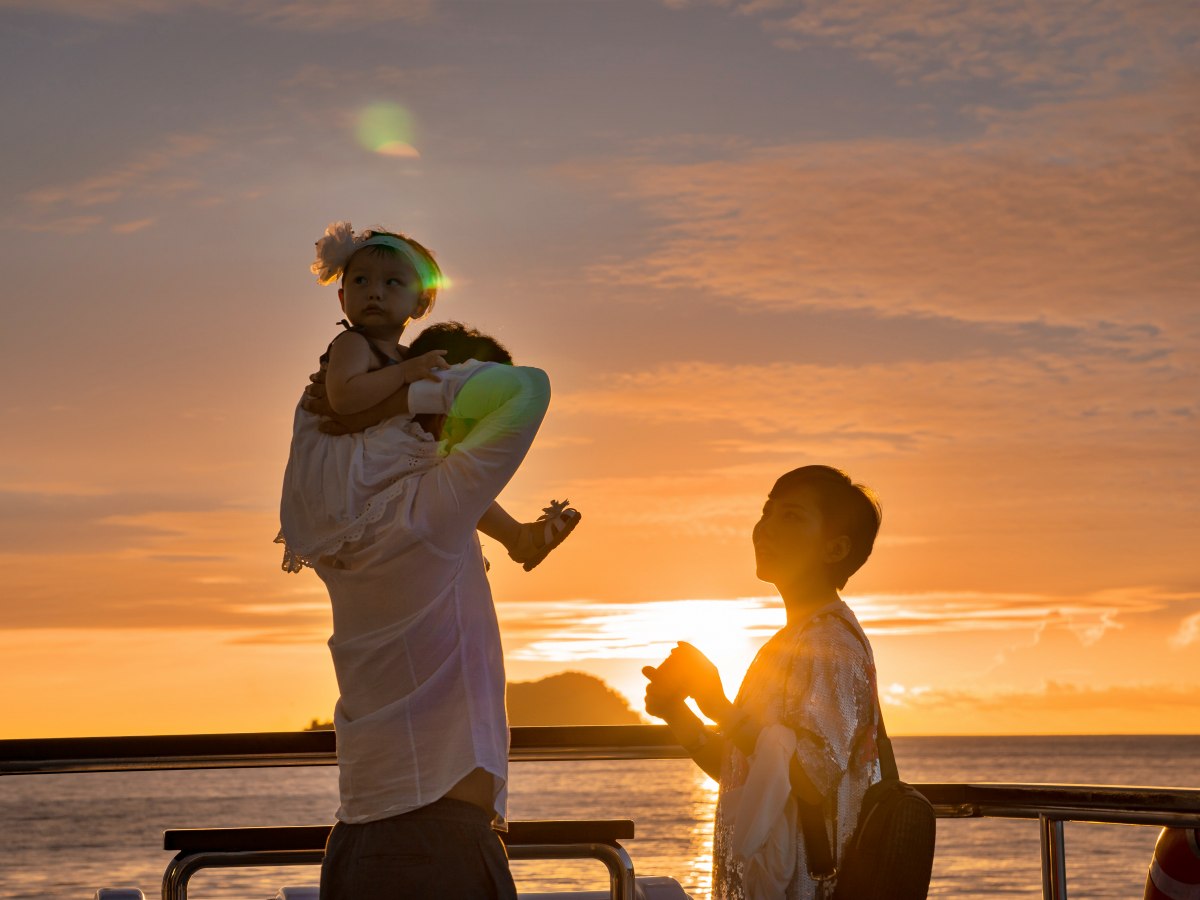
<point x="729" y="632"/>
<point x="733" y="629"/>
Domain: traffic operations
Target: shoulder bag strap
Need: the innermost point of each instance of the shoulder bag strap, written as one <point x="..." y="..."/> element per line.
<point x="887" y="757"/>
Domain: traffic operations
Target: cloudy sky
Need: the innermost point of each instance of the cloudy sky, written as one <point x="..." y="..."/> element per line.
<point x="952" y="248"/>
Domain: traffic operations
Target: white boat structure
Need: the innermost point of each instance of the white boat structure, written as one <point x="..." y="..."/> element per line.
<point x="197" y="848"/>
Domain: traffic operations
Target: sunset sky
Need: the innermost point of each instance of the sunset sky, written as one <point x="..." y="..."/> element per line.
<point x="950" y="247"/>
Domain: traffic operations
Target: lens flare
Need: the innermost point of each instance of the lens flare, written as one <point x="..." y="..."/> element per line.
<point x="386" y="129"/>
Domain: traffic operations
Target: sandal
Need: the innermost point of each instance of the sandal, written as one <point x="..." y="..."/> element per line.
<point x="538" y="538"/>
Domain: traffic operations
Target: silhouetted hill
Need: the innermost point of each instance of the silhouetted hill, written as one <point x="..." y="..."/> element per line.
<point x="568" y="698"/>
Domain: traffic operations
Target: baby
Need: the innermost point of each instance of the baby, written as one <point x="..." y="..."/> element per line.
<point x="335" y="485"/>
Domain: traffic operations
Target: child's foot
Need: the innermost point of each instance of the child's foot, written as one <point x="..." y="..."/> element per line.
<point x="537" y="539"/>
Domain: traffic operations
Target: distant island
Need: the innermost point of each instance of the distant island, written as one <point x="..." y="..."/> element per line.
<point x="568" y="698"/>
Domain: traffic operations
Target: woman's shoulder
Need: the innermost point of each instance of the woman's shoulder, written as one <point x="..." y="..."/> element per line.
<point x="838" y="628"/>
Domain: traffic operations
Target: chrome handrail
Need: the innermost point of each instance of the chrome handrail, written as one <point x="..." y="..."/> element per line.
<point x="185" y="864"/>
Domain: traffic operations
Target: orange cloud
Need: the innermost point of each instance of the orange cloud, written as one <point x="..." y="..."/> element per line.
<point x="134" y="226"/>
<point x="873" y="410"/>
<point x="1068" y="45"/>
<point x="578" y="629"/>
<point x="1055" y="708"/>
<point x="123" y="561"/>
<point x="1070" y="212"/>
<point x="950" y="662"/>
<point x="165" y="173"/>
<point x="1056" y="45"/>
<point x="1188" y="633"/>
<point x="1088" y="616"/>
<point x="1007" y="474"/>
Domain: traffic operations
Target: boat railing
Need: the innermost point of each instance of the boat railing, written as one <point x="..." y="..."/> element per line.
<point x="1051" y="805"/>
<point x="306" y="748"/>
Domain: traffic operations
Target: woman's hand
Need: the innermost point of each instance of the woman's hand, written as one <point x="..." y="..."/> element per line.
<point x="316" y="401"/>
<point x="664" y="700"/>
<point x="666" y="697"/>
<point x="698" y="678"/>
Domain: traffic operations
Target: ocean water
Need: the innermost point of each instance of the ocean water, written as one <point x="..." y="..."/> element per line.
<point x="67" y="835"/>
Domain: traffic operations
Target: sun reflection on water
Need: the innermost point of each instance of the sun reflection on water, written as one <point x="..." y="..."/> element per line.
<point x="700" y="837"/>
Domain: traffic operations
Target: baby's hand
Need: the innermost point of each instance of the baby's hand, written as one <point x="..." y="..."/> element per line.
<point x="424" y="366"/>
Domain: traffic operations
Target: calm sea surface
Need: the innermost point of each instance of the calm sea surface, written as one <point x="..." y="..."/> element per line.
<point x="66" y="835"/>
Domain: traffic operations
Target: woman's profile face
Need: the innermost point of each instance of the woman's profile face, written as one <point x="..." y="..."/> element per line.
<point x="790" y="543"/>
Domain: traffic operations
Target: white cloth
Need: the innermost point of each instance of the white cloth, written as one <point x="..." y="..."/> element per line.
<point x="335" y="485"/>
<point x="764" y="825"/>
<point x="415" y="644"/>
<point x="818" y="680"/>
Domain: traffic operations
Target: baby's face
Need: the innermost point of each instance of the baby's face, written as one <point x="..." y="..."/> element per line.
<point x="381" y="291"/>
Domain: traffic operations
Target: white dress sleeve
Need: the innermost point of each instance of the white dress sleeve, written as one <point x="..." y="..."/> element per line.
<point x="491" y="424"/>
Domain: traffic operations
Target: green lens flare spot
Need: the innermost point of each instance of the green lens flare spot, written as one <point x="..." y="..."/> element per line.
<point x="386" y="129"/>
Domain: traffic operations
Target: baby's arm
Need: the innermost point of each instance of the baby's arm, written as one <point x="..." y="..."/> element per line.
<point x="352" y="387"/>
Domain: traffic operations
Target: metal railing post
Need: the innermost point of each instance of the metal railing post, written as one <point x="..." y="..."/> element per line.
<point x="1054" y="860"/>
<point x="614" y="857"/>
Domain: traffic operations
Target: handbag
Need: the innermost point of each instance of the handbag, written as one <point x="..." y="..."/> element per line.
<point x="890" y="854"/>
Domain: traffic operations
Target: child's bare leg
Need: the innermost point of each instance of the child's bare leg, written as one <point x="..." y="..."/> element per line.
<point x="530" y="542"/>
<point x="500" y="526"/>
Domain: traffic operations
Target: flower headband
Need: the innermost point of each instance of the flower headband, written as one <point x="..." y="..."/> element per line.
<point x="340" y="243"/>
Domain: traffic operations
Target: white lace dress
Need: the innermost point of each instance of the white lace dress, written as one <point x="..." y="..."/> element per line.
<point x="816" y="678"/>
<point x="336" y="485"/>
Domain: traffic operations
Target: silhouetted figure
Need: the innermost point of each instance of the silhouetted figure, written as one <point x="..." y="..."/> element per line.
<point x="386" y="515"/>
<point x="805" y="709"/>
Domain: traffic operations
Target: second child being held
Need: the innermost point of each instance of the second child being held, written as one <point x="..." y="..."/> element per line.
<point x="387" y="280"/>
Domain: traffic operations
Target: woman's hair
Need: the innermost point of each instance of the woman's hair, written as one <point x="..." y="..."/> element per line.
<point x="848" y="509"/>
<point x="461" y="342"/>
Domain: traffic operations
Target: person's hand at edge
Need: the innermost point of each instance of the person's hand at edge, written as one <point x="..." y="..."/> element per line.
<point x="663" y="699"/>
<point x="700" y="679"/>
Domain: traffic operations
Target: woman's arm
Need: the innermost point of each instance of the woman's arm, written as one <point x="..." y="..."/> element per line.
<point x="492" y="413"/>
<point x="706" y="748"/>
<point x="695" y="676"/>
<point x="316" y="402"/>
<point x="351" y="388"/>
